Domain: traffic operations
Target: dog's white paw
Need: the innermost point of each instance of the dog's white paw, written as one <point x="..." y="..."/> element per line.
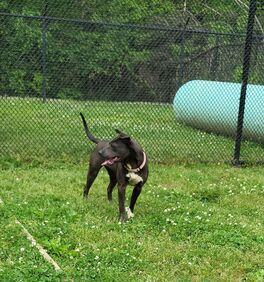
<point x="129" y="213"/>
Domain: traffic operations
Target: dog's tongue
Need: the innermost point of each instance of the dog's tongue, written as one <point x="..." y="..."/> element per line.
<point x="110" y="161"/>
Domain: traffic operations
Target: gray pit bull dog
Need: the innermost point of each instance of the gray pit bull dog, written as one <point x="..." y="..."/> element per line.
<point x="126" y="164"/>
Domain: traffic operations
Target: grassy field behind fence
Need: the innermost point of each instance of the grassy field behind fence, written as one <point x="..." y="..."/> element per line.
<point x="30" y="127"/>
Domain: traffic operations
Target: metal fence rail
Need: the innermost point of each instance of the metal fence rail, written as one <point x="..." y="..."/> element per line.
<point x="120" y="75"/>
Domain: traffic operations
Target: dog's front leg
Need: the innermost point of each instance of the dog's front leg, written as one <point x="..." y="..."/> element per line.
<point x="121" y="200"/>
<point x="136" y="192"/>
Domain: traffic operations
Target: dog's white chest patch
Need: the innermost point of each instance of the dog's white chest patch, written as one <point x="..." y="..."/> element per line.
<point x="133" y="178"/>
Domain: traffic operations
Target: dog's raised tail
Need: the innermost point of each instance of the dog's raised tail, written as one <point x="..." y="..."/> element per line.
<point x="88" y="133"/>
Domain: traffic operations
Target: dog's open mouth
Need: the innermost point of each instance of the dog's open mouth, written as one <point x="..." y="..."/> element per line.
<point x="110" y="161"/>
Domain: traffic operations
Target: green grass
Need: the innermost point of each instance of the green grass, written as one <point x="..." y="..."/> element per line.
<point x="196" y="222"/>
<point x="30" y="128"/>
<point x="192" y="223"/>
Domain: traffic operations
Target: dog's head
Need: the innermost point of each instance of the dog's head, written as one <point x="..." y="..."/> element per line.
<point x="118" y="149"/>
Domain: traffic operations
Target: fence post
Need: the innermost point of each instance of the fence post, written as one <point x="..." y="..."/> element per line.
<point x="43" y="54"/>
<point x="245" y="75"/>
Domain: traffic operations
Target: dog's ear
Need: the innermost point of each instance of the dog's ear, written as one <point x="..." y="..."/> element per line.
<point x="122" y="135"/>
<point x="118" y="131"/>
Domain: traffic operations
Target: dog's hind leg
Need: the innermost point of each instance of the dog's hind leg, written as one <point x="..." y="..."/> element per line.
<point x="91" y="175"/>
<point x="112" y="184"/>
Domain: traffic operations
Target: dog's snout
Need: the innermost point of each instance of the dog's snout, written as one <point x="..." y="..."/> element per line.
<point x="103" y="153"/>
<point x="106" y="152"/>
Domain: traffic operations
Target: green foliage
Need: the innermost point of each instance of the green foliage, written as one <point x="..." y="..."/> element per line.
<point x="36" y="83"/>
<point x="237" y="76"/>
<point x="69" y="93"/>
<point x="17" y="81"/>
<point x="87" y="57"/>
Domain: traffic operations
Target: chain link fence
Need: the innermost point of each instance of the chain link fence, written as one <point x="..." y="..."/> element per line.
<point x="54" y="63"/>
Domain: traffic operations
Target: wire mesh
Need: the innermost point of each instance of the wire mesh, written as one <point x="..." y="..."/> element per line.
<point x="58" y="59"/>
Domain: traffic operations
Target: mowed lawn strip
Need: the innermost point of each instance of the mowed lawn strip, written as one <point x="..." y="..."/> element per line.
<point x="191" y="222"/>
<point x="31" y="128"/>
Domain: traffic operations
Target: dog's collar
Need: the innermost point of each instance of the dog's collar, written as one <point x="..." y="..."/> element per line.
<point x="130" y="169"/>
